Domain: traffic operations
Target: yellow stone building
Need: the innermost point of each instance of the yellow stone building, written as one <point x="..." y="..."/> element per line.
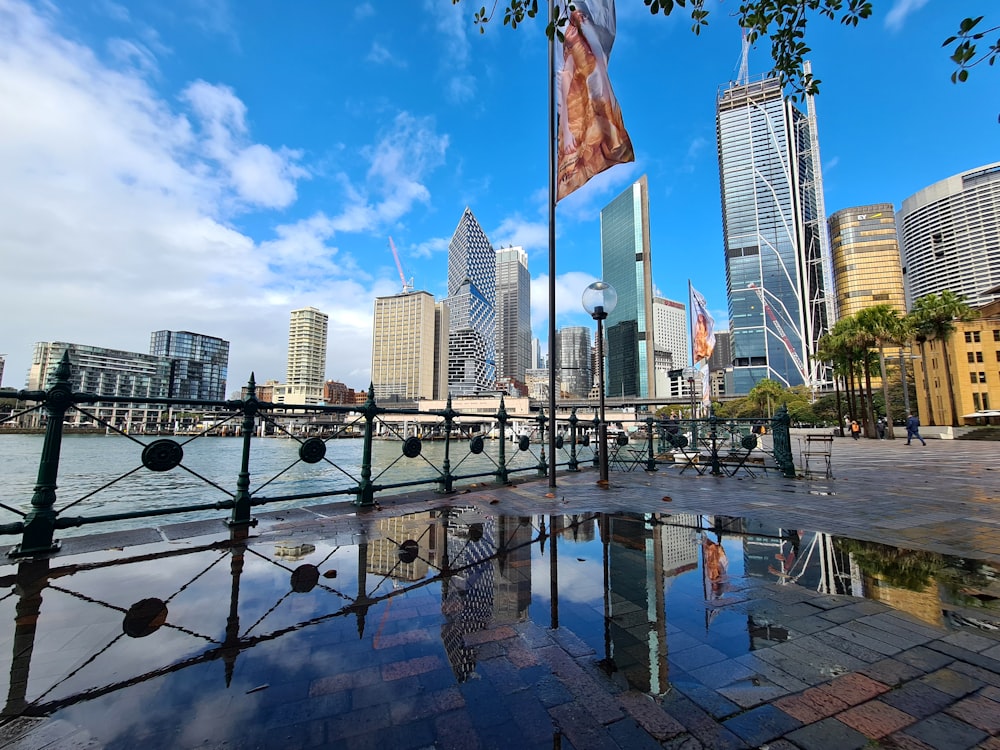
<point x="974" y="359"/>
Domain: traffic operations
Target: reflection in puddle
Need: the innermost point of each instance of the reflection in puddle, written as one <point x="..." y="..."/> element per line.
<point x="255" y="637"/>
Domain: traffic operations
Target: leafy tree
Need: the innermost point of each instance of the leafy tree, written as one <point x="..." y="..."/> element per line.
<point x="933" y="317"/>
<point x="766" y="394"/>
<point x="784" y="22"/>
<point x="886" y="326"/>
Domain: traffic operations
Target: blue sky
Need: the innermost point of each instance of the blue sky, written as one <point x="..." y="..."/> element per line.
<point x="209" y="166"/>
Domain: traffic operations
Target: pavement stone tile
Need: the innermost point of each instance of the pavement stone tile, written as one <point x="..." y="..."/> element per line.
<point x="578" y="724"/>
<point x="699" y="656"/>
<point x="649" y="714"/>
<point x="811" y="705"/>
<point x="875" y="719"/>
<point x="925" y="659"/>
<point x="854" y="688"/>
<point x="895" y="621"/>
<point x="410" y="707"/>
<point x="944" y="731"/>
<point x="990" y="743"/>
<point x="398" y="670"/>
<point x="682" y="742"/>
<point x="848" y="646"/>
<point x="828" y="734"/>
<point x="721" y="673"/>
<point x="971" y="641"/>
<point x="979" y="711"/>
<point x="705" y="698"/>
<point x="582" y="686"/>
<point x="455" y="731"/>
<point x="628" y="733"/>
<point x="891" y="672"/>
<point x="918" y="700"/>
<point x="761" y="725"/>
<point x="903" y="741"/>
<point x="531" y="716"/>
<point x="983" y="675"/>
<point x="969" y="657"/>
<point x="951" y="682"/>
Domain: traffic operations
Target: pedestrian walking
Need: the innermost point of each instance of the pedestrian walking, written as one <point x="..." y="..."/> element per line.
<point x="880" y="428"/>
<point x="855" y="429"/>
<point x="913" y="429"/>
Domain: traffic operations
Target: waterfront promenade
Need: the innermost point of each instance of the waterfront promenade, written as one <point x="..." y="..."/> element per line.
<point x="844" y="673"/>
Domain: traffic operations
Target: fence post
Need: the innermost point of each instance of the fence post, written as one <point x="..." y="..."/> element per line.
<point x="713" y="434"/>
<point x="40" y="522"/>
<point x="597" y="441"/>
<point x="501" y="474"/>
<point x="782" y="440"/>
<point x="241" y="509"/>
<point x="542" y="466"/>
<point x="573" y="465"/>
<point x="651" y="461"/>
<point x="446" y="481"/>
<point x="366" y="491"/>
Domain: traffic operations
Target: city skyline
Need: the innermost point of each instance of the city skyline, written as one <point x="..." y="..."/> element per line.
<point x="175" y="168"/>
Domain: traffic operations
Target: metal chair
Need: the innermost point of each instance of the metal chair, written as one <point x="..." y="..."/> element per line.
<point x="818" y="450"/>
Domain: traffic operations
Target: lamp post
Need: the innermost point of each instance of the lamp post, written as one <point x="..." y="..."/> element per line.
<point x="690" y="373"/>
<point x="599" y="300"/>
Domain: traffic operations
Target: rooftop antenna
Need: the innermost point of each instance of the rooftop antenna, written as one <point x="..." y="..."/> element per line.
<point x="744" y="75"/>
<point x="407" y="285"/>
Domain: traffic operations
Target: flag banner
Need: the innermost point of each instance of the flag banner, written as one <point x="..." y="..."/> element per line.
<point x="592" y="134"/>
<point x="702" y="327"/>
<point x="706" y="386"/>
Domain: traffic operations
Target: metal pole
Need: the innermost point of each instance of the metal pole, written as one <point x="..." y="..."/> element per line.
<point x="602" y="428"/>
<point x="552" y="246"/>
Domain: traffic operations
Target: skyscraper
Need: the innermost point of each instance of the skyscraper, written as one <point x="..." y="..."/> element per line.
<point x="471" y="302"/>
<point x="950" y="237"/>
<point x="867" y="269"/>
<point x="199" y="363"/>
<point x="573" y="350"/>
<point x="778" y="270"/>
<point x="405" y="342"/>
<point x="513" y="313"/>
<point x="626" y="266"/>
<point x="670" y="331"/>
<point x="306" y="358"/>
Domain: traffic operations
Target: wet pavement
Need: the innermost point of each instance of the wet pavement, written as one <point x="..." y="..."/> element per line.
<point x="666" y="610"/>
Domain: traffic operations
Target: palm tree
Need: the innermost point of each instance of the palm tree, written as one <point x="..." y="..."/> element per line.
<point x="764" y="393"/>
<point x="831" y="348"/>
<point x="858" y="342"/>
<point x="884" y="323"/>
<point x="933" y="316"/>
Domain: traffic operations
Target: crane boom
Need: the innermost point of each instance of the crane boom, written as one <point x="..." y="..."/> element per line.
<point x="781" y="331"/>
<point x="407" y="286"/>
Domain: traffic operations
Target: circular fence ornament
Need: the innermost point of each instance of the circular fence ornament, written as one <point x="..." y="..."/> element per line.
<point x="162" y="455"/>
<point x="749" y="442"/>
<point x="559" y="441"/>
<point x="679" y="441"/>
<point x="144" y="618"/>
<point x="476" y="445"/>
<point x="586" y="441"/>
<point x="411" y="447"/>
<point x="408" y="551"/>
<point x="312" y="450"/>
<point x="622" y="439"/>
<point x="523" y="443"/>
<point x="304" y="578"/>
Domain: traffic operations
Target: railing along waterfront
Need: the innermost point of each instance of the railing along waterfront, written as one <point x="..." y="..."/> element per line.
<point x="721" y="447"/>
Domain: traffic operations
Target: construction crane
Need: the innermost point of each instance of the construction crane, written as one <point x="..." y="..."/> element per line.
<point x="780" y="331"/>
<point x="407" y="285"/>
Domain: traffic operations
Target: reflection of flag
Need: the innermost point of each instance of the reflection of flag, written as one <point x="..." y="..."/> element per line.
<point x="702" y="327"/>
<point x="592" y="134"/>
<point x="714" y="565"/>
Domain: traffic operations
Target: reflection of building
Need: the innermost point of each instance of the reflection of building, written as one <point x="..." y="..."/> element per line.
<point x="409" y="333"/>
<point x="471" y="303"/>
<point x="950" y="237"/>
<point x="198" y="363"/>
<point x="573" y="352"/>
<point x="306" y="358"/>
<point x="513" y="313"/>
<point x="866" y="265"/>
<point x="777" y="259"/>
<point x="626" y="266"/>
<point x="384" y="556"/>
<point x="973" y="353"/>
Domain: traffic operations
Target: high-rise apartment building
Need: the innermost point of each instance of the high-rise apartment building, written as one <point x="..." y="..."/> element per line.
<point x="409" y="332"/>
<point x="199" y="363"/>
<point x="950" y="237"/>
<point x="626" y="266"/>
<point x="670" y="334"/>
<point x="867" y="270"/>
<point x="513" y="313"/>
<point x="778" y="272"/>
<point x="573" y="351"/>
<point x="471" y="302"/>
<point x="306" y="358"/>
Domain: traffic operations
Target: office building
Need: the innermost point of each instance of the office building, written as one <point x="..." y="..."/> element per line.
<point x="407" y="336"/>
<point x="626" y="266"/>
<point x="306" y="358"/>
<point x="670" y="340"/>
<point x="2" y="362"/>
<point x="513" y="314"/>
<point x="199" y="363"/>
<point x="471" y="303"/>
<point x="949" y="235"/>
<point x="573" y="351"/>
<point x="537" y="356"/>
<point x="778" y="271"/>
<point x="866" y="264"/>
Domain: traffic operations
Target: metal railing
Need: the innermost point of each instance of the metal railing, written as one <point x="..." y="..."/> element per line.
<point x="721" y="447"/>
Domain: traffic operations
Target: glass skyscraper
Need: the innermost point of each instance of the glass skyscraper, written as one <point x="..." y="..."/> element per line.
<point x="513" y="313"/>
<point x="199" y="363"/>
<point x="471" y="303"/>
<point x="778" y="271"/>
<point x="573" y="351"/>
<point x="626" y="266"/>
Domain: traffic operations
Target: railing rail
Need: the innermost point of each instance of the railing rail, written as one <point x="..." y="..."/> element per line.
<point x="646" y="442"/>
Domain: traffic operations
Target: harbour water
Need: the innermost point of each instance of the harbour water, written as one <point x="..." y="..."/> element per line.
<point x="102" y="474"/>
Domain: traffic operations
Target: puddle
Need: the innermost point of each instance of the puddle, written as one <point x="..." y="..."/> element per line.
<point x="254" y="640"/>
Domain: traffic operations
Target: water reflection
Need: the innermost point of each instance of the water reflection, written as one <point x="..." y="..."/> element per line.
<point x="252" y="635"/>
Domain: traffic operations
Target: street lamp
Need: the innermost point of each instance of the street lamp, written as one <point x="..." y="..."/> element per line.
<point x="599" y="300"/>
<point x="690" y="373"/>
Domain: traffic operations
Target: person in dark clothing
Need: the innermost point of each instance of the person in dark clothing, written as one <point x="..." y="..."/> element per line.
<point x="913" y="429"/>
<point x="880" y="428"/>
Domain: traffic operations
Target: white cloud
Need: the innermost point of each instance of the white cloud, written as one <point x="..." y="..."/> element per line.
<point x="531" y="235"/>
<point x="569" y="293"/>
<point x="900" y="11"/>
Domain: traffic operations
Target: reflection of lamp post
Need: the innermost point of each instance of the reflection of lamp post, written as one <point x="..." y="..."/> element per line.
<point x="690" y="373"/>
<point x="599" y="300"/>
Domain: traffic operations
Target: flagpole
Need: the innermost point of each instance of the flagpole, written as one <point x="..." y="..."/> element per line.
<point x="552" y="251"/>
